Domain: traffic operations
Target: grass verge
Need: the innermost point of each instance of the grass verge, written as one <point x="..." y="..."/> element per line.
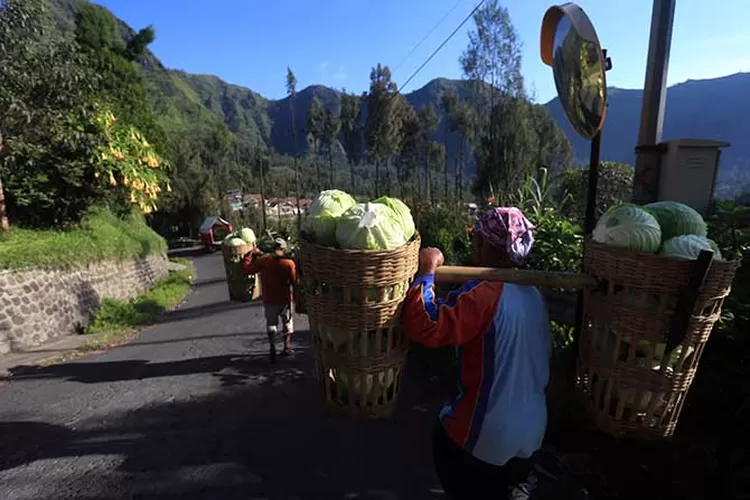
<point x="100" y="236"/>
<point x="118" y="321"/>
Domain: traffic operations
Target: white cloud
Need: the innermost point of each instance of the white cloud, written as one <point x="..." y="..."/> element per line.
<point x="338" y="75"/>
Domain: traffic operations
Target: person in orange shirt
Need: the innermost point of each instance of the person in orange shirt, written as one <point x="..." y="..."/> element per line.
<point x="277" y="275"/>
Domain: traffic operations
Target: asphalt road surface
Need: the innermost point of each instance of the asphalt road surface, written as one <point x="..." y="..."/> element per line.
<point x="193" y="409"/>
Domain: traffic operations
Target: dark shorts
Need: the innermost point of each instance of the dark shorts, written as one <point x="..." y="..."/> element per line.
<point x="276" y="312"/>
<point x="465" y="477"/>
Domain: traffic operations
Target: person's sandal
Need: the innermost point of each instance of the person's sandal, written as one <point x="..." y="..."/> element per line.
<point x="287" y="352"/>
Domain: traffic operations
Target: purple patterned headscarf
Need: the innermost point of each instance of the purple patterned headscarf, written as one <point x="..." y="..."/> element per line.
<point x="506" y="228"/>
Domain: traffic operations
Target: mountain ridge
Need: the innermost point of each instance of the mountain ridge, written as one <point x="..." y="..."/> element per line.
<point x="716" y="108"/>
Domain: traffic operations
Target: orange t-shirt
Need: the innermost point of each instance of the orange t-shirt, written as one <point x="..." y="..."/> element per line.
<point x="277" y="274"/>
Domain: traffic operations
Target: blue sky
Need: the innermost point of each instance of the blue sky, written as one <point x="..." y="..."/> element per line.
<point x="336" y="42"/>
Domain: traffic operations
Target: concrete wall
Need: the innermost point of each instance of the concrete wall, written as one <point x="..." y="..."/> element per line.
<point x="38" y="305"/>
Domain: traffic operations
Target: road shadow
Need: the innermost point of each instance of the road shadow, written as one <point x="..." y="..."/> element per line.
<point x="262" y="435"/>
<point x="188" y="253"/>
<point x="243" y="366"/>
<point x="207" y="282"/>
<point x="187" y="313"/>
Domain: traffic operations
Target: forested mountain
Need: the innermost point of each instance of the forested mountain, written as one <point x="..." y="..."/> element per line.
<point x="710" y="109"/>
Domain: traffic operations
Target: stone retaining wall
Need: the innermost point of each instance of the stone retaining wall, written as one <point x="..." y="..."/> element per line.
<point x="38" y="305"/>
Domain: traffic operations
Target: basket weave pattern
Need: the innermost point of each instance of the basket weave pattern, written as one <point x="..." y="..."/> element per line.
<point x="240" y="286"/>
<point x="630" y="384"/>
<point x="353" y="300"/>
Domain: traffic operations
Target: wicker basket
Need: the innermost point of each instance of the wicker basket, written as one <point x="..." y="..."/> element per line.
<point x="300" y="306"/>
<point x="242" y="288"/>
<point x="631" y="386"/>
<point x="353" y="300"/>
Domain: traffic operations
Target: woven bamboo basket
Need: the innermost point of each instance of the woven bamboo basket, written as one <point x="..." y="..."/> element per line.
<point x="353" y="301"/>
<point x="242" y="288"/>
<point x="300" y="306"/>
<point x="631" y="386"/>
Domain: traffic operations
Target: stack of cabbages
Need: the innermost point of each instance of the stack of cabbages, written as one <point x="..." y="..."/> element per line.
<point x="669" y="228"/>
<point x="244" y="236"/>
<point x="335" y="219"/>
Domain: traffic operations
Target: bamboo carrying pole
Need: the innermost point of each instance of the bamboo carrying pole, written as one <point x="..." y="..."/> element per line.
<point x="543" y="279"/>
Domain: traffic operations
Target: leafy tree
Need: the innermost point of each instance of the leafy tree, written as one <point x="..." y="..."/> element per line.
<point x="315" y="117"/>
<point x="466" y="123"/>
<point x="428" y="122"/>
<point x="291" y="91"/>
<point x="449" y="105"/>
<point x="410" y="150"/>
<point x="492" y="61"/>
<point x="48" y="130"/>
<point x="436" y="157"/>
<point x="120" y="82"/>
<point x="351" y="126"/>
<point x="331" y="129"/>
<point x="555" y="151"/>
<point x="614" y="186"/>
<point x="383" y="127"/>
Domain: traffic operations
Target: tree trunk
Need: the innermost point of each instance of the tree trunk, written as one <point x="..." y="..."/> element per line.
<point x="330" y="165"/>
<point x="377" y="177"/>
<point x="296" y="164"/>
<point x="4" y="224"/>
<point x="262" y="192"/>
<point x="447" y="162"/>
<point x="317" y="168"/>
<point x="351" y="178"/>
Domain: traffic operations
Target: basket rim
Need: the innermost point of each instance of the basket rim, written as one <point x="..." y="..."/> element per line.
<point x="735" y="260"/>
<point x="414" y="239"/>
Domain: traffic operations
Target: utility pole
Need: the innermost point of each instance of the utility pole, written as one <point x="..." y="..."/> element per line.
<point x="648" y="154"/>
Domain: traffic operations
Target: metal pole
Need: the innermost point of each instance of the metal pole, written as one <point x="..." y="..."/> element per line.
<point x="590" y="219"/>
<point x="645" y="189"/>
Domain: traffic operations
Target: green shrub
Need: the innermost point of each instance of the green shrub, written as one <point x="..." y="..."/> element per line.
<point x="729" y="226"/>
<point x="446" y="228"/>
<point x="100" y="236"/>
<point x="168" y="292"/>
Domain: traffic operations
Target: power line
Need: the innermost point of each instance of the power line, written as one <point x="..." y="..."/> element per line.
<point x="439" y="47"/>
<point x="427" y="36"/>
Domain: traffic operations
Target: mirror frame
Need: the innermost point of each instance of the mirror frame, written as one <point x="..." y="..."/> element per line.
<point x="585" y="29"/>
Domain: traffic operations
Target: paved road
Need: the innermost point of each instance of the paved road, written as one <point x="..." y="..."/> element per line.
<point x="193" y="409"/>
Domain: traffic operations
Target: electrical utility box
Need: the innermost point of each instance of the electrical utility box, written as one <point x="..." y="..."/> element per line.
<point x="688" y="172"/>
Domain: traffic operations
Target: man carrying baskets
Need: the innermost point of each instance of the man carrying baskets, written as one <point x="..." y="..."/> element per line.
<point x="483" y="444"/>
<point x="277" y="274"/>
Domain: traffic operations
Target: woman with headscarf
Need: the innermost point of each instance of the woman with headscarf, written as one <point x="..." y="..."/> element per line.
<point x="484" y="441"/>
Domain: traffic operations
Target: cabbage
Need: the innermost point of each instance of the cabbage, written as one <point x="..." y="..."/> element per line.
<point x="402" y="212"/>
<point x="689" y="246"/>
<point x="676" y="219"/>
<point x="229" y="237"/>
<point x="248" y="235"/>
<point x="235" y="242"/>
<point x="629" y="226"/>
<point x="370" y="226"/>
<point x="320" y="223"/>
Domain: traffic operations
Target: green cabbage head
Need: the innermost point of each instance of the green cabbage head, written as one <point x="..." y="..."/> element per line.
<point x="403" y="212"/>
<point x="320" y="223"/>
<point x="235" y="242"/>
<point x="676" y="219"/>
<point x="689" y="246"/>
<point x="630" y="227"/>
<point x="370" y="226"/>
<point x="248" y="235"/>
